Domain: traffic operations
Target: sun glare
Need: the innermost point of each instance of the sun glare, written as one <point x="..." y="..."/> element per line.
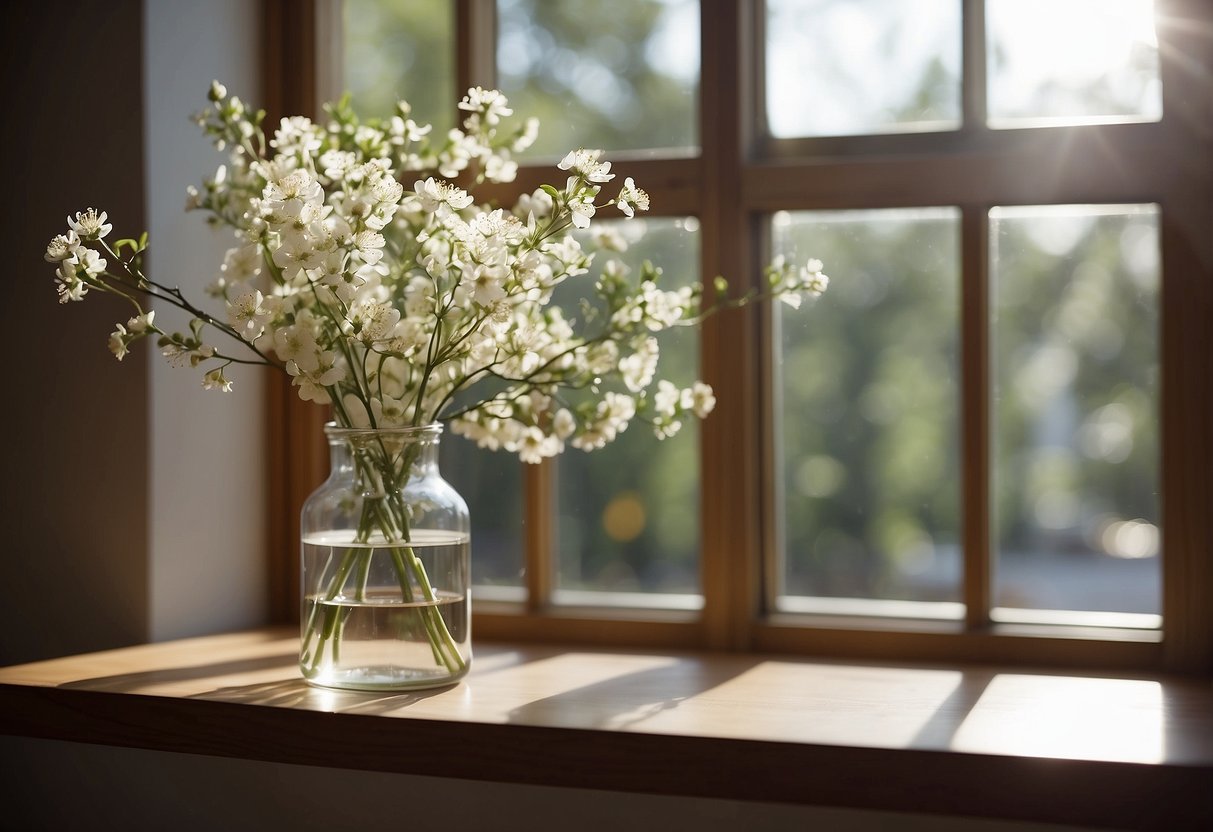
<point x="1072" y="61"/>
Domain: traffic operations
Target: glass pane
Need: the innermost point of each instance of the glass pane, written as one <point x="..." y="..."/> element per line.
<point x="1072" y="61"/>
<point x="1075" y="437"/>
<point x="401" y="49"/>
<point x="618" y="76"/>
<point x="491" y="482"/>
<point x="868" y="406"/>
<point x="628" y="513"/>
<point x="851" y="67"/>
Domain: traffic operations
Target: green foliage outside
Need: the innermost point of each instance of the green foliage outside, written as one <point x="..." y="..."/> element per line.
<point x="869" y="415"/>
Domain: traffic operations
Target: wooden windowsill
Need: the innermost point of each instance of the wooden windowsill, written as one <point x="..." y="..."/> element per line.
<point x="1088" y="750"/>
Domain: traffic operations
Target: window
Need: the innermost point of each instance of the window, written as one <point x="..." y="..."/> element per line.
<point x="990" y="440"/>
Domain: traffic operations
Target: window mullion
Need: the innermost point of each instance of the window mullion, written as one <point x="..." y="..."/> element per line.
<point x="297" y="451"/>
<point x="476" y="65"/>
<point x="973" y="63"/>
<point x="975" y="416"/>
<point x="976" y="561"/>
<point x="731" y="520"/>
<point x="539" y="551"/>
<point x="475" y="45"/>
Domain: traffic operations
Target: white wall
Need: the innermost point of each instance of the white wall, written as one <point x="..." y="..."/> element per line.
<point x="207" y="483"/>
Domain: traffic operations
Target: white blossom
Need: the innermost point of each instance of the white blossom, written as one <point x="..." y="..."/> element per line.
<point x="436" y="194"/>
<point x="296" y="346"/>
<point x="248" y="314"/>
<point x="585" y="163"/>
<point x="84" y="265"/>
<point x="583" y="209"/>
<point x="71" y="291"/>
<point x="394" y="306"/>
<point x="215" y="380"/>
<point x="491" y="105"/>
<point x="141" y="324"/>
<point x="666" y="399"/>
<point x="702" y="399"/>
<point x="537" y="205"/>
<point x="62" y="247"/>
<point x="563" y="423"/>
<point x="118" y="342"/>
<point x="242" y="263"/>
<point x="89" y="224"/>
<point x="637" y="369"/>
<point x="371" y="321"/>
<point x="631" y="198"/>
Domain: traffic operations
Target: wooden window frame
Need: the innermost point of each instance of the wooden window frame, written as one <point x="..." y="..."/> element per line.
<point x="742" y="175"/>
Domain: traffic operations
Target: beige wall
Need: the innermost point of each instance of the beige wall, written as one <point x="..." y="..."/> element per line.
<point x="207" y="506"/>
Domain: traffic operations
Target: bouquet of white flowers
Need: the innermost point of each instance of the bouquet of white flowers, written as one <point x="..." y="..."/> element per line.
<point x="409" y="305"/>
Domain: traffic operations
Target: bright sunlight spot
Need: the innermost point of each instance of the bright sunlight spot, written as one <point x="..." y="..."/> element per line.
<point x="1072" y="61"/>
<point x="1108" y="719"/>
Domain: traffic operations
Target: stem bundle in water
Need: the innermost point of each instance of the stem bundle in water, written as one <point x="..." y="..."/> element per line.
<point x="386" y="604"/>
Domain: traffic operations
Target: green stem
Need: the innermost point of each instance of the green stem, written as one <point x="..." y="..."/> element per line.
<point x="155" y="290"/>
<point x="364" y="574"/>
<point x="331" y="615"/>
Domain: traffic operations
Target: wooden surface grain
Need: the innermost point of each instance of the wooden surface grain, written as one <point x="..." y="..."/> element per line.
<point x="1119" y="752"/>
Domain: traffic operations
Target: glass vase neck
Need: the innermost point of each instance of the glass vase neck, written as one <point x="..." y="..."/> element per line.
<point x="422" y="443"/>
<point x="422" y="434"/>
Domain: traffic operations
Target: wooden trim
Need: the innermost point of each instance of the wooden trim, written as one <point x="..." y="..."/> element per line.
<point x="289" y="62"/>
<point x="773" y="557"/>
<point x="538" y="532"/>
<point x="475" y="46"/>
<point x="973" y="66"/>
<point x="1185" y="33"/>
<point x="296" y="452"/>
<point x="731" y="516"/>
<point x="640" y="628"/>
<point x="976" y="468"/>
<point x="674" y="185"/>
<point x="1057" y="142"/>
<point x="330" y="53"/>
<point x="1119" y="163"/>
<point x="872" y="640"/>
<point x="1132" y="752"/>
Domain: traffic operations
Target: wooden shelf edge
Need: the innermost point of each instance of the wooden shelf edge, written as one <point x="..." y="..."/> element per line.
<point x="1122" y="795"/>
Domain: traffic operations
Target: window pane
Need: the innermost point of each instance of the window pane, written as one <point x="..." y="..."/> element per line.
<point x="868" y="409"/>
<point x="401" y="49"/>
<point x="629" y="513"/>
<point x="1072" y="61"/>
<point x="618" y="76"/>
<point x="851" y="67"/>
<point x="1075" y="438"/>
<point x="491" y="482"/>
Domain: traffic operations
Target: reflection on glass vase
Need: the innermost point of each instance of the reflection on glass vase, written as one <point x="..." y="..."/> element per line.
<point x="385" y="566"/>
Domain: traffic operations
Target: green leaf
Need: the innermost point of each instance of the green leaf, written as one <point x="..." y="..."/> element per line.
<point x="550" y="191"/>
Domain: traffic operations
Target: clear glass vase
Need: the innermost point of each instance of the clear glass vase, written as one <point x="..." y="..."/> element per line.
<point x="385" y="566"/>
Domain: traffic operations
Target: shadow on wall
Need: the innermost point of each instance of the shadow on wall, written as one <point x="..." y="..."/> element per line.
<point x="75" y="486"/>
